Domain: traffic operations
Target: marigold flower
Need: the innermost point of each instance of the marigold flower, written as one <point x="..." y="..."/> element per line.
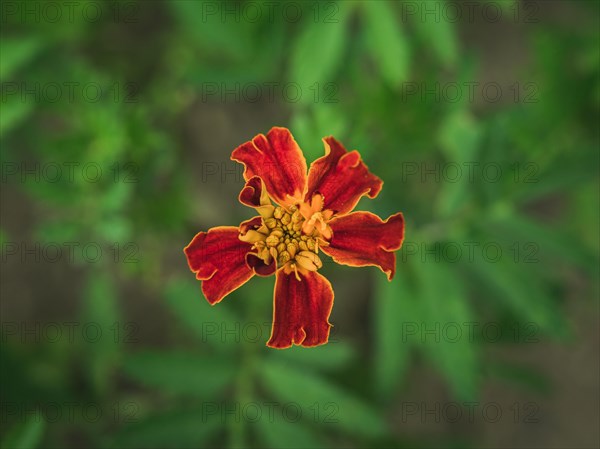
<point x="312" y="215"/>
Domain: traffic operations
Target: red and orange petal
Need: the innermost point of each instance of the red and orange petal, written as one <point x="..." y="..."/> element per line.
<point x="250" y="225"/>
<point x="341" y="177"/>
<point x="252" y="192"/>
<point x="301" y="310"/>
<point x="259" y="266"/>
<point x="218" y="258"/>
<point x="362" y="238"/>
<point x="278" y="160"/>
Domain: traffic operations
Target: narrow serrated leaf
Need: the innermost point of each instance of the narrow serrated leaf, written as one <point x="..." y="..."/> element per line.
<point x="320" y="401"/>
<point x="445" y="310"/>
<point x="386" y="42"/>
<point x="189" y="429"/>
<point x="26" y="435"/>
<point x="181" y="372"/>
<point x="437" y="31"/>
<point x="394" y="307"/>
<point x="317" y="53"/>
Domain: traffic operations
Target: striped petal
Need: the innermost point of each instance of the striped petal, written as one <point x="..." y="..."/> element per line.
<point x="218" y="258"/>
<point x="254" y="194"/>
<point x="341" y="177"/>
<point x="362" y="238"/>
<point x="301" y="310"/>
<point x="278" y="161"/>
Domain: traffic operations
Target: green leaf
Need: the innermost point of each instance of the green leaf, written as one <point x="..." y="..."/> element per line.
<point x="394" y="305"/>
<point x="15" y="53"/>
<point x="317" y="53"/>
<point x="189" y="429"/>
<point x="520" y="230"/>
<point x="14" y="111"/>
<point x="445" y="310"/>
<point x="386" y="42"/>
<point x="186" y="301"/>
<point x="437" y="32"/>
<point x="529" y="378"/>
<point x="227" y="38"/>
<point x="460" y="137"/>
<point x="62" y="231"/>
<point x="322" y="358"/>
<point x="26" y="435"/>
<point x="180" y="372"/>
<point x="519" y="292"/>
<point x="280" y="433"/>
<point x="3" y="238"/>
<point x="100" y="308"/>
<point x="321" y="120"/>
<point x="320" y="401"/>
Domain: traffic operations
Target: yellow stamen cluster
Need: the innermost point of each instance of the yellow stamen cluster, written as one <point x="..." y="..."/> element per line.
<point x="285" y="241"/>
<point x="281" y="238"/>
<point x="290" y="236"/>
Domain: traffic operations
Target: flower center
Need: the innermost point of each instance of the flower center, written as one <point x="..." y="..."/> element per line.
<point x="284" y="240"/>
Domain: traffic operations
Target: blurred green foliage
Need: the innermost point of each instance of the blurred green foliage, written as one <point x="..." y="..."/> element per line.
<point x="364" y="58"/>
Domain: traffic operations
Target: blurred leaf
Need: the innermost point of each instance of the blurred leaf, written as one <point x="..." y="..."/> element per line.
<point x="280" y="433"/>
<point x="187" y="302"/>
<point x="585" y="221"/>
<point x="564" y="175"/>
<point x="444" y="310"/>
<point x="520" y="292"/>
<point x="116" y="229"/>
<point x="205" y="26"/>
<point x="437" y="31"/>
<point x="184" y="429"/>
<point x="310" y="126"/>
<point x="507" y="7"/>
<point x="386" y="42"/>
<point x="459" y="137"/>
<point x="14" y="111"/>
<point x="329" y="357"/>
<point x="3" y="238"/>
<point x="320" y="400"/>
<point x="15" y="53"/>
<point x="101" y="310"/>
<point x="51" y="231"/>
<point x="394" y="305"/>
<point x="528" y="378"/>
<point x="519" y="230"/>
<point x="317" y="53"/>
<point x="26" y="435"/>
<point x="180" y="372"/>
<point x="115" y="195"/>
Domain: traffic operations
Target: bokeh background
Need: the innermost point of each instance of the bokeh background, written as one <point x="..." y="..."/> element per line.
<point x="117" y="123"/>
